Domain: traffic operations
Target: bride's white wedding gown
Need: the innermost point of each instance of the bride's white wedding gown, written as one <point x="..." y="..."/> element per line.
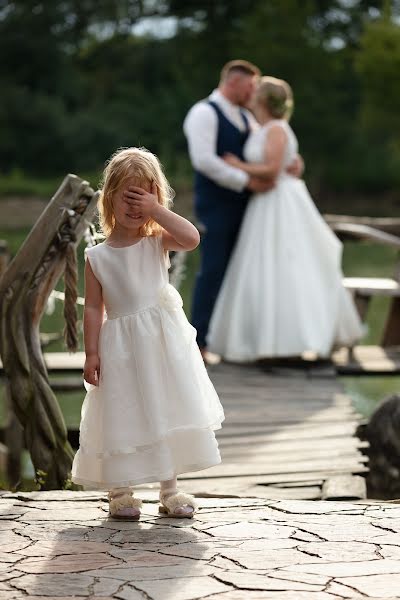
<point x="282" y="293"/>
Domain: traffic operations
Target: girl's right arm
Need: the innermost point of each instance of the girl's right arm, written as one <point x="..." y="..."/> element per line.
<point x="92" y="321"/>
<point x="273" y="156"/>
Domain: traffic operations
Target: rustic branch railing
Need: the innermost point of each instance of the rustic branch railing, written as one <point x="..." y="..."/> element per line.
<point x="386" y="224"/>
<point x="24" y="289"/>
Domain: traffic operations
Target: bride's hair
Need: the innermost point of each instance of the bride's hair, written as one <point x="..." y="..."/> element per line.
<point x="277" y="97"/>
<point x="142" y="166"/>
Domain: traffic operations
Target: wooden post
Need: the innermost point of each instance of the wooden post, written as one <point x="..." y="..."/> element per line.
<point x="24" y="290"/>
<point x="13" y="429"/>
<point x="391" y="333"/>
<point x="362" y="303"/>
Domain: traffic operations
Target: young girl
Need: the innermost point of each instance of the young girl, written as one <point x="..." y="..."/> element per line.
<point x="151" y="410"/>
<point x="282" y="294"/>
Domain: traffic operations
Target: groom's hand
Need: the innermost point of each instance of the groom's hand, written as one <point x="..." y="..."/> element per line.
<point x="256" y="184"/>
<point x="297" y="167"/>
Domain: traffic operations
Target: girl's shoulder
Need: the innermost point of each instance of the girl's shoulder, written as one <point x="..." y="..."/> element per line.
<point x="91" y="250"/>
<point x="155" y="240"/>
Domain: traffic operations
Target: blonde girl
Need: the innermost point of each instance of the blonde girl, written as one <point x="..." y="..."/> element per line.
<point x="150" y="411"/>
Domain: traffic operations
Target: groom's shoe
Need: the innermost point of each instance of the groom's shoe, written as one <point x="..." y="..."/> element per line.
<point x="209" y="357"/>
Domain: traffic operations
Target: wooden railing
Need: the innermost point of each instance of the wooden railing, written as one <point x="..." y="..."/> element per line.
<point x="47" y="253"/>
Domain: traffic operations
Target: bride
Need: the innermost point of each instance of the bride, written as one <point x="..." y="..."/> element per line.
<point x="282" y="294"/>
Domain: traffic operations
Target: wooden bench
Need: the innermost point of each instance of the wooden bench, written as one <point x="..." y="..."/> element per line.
<point x="372" y="286"/>
<point x="364" y="288"/>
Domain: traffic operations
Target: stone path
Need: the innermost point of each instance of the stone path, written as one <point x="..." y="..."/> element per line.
<point x="62" y="545"/>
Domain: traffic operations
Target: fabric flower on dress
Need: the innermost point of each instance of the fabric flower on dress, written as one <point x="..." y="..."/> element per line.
<point x="169" y="298"/>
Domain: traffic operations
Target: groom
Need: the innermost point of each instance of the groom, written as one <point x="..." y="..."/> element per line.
<point x="214" y="127"/>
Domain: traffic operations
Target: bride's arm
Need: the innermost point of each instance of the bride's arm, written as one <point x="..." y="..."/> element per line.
<point x="273" y="156"/>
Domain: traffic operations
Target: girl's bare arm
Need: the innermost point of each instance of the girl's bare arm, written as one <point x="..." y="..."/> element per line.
<point x="92" y="321"/>
<point x="178" y="232"/>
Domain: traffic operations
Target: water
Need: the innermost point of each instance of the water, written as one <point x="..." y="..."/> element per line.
<point x="367" y="392"/>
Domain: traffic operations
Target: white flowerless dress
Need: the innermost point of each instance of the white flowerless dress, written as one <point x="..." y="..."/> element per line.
<point x="282" y="293"/>
<point x="154" y="413"/>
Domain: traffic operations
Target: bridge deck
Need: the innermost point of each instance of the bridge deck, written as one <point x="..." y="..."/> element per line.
<point x="288" y="432"/>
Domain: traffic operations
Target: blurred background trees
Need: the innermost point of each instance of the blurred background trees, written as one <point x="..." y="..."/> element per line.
<point x="80" y="78"/>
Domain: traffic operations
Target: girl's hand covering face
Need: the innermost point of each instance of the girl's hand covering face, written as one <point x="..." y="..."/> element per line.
<point x="141" y="201"/>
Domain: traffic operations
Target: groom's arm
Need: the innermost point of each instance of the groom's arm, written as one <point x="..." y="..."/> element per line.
<point x="201" y="128"/>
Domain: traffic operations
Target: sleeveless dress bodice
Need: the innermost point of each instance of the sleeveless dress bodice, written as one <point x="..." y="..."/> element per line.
<point x="131" y="277"/>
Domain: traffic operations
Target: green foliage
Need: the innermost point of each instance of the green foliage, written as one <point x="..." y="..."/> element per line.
<point x="367" y="391"/>
<point x="78" y="81"/>
<point x="378" y="65"/>
<point x="19" y="183"/>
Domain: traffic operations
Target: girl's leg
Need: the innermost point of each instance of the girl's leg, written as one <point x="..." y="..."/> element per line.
<point x="170" y="485"/>
<point x="123" y="505"/>
<point x="175" y="502"/>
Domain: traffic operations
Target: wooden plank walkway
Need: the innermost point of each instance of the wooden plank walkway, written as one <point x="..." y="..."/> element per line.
<point x="287" y="432"/>
<point x="368" y="360"/>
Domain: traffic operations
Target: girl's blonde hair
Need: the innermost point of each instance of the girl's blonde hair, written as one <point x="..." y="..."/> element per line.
<point x="276" y="96"/>
<point x="144" y="167"/>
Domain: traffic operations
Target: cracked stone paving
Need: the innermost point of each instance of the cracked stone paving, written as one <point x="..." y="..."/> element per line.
<point x="62" y="545"/>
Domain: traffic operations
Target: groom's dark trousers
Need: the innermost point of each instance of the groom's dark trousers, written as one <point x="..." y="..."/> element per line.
<point x="220" y="212"/>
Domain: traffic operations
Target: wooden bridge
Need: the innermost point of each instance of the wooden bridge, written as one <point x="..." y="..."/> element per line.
<point x="288" y="434"/>
<point x="290" y="431"/>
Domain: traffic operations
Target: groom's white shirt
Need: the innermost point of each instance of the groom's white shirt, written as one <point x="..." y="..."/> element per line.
<point x="201" y="129"/>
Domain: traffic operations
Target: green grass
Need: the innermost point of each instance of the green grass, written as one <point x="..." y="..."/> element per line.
<point x="364" y="259"/>
<point x="186" y="287"/>
<point x="53" y="322"/>
<point x="14" y="238"/>
<point x="359" y="259"/>
<point x="17" y="183"/>
<point x="366" y="392"/>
